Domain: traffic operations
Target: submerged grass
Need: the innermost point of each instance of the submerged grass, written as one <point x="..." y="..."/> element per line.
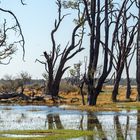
<point x="48" y="134"/>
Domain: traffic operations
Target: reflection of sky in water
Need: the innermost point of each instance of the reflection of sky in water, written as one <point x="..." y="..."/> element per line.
<point x="35" y="117"/>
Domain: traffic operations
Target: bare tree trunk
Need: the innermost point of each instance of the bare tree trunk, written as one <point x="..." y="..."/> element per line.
<point x="94" y="52"/>
<point x="55" y="89"/>
<point x="81" y="92"/>
<point x="124" y="48"/>
<point x="138" y="58"/>
<point x="71" y="49"/>
<point x="116" y="83"/>
<point x="94" y="89"/>
<point x="128" y="90"/>
<point x="92" y="97"/>
<point x="50" y="82"/>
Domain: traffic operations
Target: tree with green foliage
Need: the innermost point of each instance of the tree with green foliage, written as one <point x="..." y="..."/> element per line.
<point x="75" y="74"/>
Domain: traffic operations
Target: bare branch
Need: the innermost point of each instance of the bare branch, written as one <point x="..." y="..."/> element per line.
<point x="7" y="62"/>
<point x="73" y="54"/>
<point x="23" y="2"/>
<point x="37" y="60"/>
<point x="20" y="31"/>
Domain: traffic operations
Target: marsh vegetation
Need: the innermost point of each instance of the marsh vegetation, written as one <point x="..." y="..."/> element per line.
<point x="49" y="122"/>
<point x="82" y="105"/>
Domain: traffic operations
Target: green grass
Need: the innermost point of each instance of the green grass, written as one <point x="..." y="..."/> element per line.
<point x="49" y="134"/>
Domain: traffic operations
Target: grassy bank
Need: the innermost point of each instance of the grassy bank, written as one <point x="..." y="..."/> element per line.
<point x="74" y="100"/>
<point x="45" y="134"/>
<point x="104" y="102"/>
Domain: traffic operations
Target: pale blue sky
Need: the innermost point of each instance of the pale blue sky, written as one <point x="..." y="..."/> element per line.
<point x="37" y="20"/>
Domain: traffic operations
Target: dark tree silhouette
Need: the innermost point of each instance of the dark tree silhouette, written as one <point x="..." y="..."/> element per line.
<point x="103" y="20"/>
<point x="71" y="49"/>
<point x="23" y="2"/>
<point x="128" y="80"/>
<point x="138" y="56"/>
<point x="9" y="46"/>
<point x="111" y="19"/>
<point x="125" y="43"/>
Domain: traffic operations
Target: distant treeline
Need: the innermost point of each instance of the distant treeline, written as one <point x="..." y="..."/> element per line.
<point x="123" y="81"/>
<point x="31" y="82"/>
<point x="40" y="82"/>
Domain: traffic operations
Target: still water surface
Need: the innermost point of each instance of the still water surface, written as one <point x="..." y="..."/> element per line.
<point x="113" y="125"/>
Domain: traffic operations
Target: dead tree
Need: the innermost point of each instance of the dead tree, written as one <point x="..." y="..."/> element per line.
<point x="100" y="18"/>
<point x="127" y="66"/>
<point x="7" y="46"/>
<point x="96" y="22"/>
<point x="103" y="20"/>
<point x="138" y="56"/>
<point x="71" y="49"/>
<point x="125" y="39"/>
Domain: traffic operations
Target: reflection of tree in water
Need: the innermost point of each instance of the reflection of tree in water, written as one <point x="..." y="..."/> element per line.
<point x="118" y="129"/>
<point x="94" y="124"/>
<point x="54" y="121"/>
<point x="81" y="123"/>
<point x="138" y="126"/>
<point x="119" y="132"/>
<point x="127" y="127"/>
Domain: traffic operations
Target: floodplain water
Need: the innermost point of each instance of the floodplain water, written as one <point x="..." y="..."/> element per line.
<point x="107" y="125"/>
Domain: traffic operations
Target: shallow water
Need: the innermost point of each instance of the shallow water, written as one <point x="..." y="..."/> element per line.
<point x="21" y="136"/>
<point x="113" y="125"/>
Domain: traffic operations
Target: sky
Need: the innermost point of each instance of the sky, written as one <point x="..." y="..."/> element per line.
<point x="37" y="20"/>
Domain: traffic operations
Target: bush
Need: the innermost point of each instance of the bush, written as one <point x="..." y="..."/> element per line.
<point x="66" y="87"/>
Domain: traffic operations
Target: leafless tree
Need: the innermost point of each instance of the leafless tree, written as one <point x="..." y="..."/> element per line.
<point x="125" y="44"/>
<point x="8" y="44"/>
<point x="97" y="24"/>
<point x="72" y="48"/>
<point x="127" y="67"/>
<point x="138" y="55"/>
<point x="104" y="21"/>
